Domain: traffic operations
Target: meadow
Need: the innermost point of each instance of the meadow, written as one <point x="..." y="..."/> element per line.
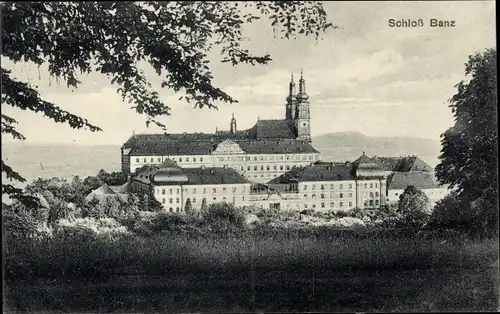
<point x="260" y="269"/>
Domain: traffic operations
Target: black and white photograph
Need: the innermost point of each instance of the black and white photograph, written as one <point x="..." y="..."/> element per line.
<point x="249" y="157"/>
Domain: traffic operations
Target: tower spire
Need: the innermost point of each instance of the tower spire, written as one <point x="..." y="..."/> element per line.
<point x="233" y="125"/>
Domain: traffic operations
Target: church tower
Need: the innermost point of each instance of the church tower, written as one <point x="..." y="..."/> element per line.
<point x="291" y="101"/>
<point x="302" y="113"/>
<point x="233" y="125"/>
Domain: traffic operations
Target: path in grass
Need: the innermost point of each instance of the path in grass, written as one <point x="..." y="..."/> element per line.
<point x="439" y="289"/>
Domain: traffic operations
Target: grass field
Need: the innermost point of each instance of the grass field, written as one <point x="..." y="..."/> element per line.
<point x="281" y="271"/>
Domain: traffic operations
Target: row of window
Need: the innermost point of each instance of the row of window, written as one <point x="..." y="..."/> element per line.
<point x="341" y="195"/>
<point x="194" y="201"/>
<point x="325" y="186"/>
<point x="201" y="190"/>
<point x="234" y="158"/>
<point x="341" y="204"/>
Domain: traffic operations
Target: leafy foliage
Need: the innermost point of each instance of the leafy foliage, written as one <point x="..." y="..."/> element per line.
<point x="413" y="207"/>
<point x="113" y="38"/>
<point x="469" y="148"/>
<point x="223" y="216"/>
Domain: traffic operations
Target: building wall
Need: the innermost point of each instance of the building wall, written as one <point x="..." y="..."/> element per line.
<point x="434" y="194"/>
<point x="174" y="197"/>
<point x="259" y="168"/>
<point x="328" y="195"/>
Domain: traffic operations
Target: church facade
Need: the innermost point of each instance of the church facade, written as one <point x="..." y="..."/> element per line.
<point x="267" y="150"/>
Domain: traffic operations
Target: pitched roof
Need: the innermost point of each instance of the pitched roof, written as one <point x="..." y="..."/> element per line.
<point x="421" y="180"/>
<point x="122" y="189"/>
<point x="148" y="147"/>
<point x="367" y="163"/>
<point x="275" y="129"/>
<point x="389" y="163"/>
<point x="201" y="176"/>
<point x="404" y="164"/>
<point x="190" y="176"/>
<point x="318" y="172"/>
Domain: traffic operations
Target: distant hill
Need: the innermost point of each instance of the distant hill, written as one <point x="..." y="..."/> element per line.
<point x="343" y="146"/>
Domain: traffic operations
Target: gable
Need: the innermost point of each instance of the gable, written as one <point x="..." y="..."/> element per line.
<point x="228" y="147"/>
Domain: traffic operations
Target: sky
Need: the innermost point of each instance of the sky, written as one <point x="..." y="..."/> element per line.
<point x="363" y="77"/>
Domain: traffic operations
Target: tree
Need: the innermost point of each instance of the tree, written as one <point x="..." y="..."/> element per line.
<point x="188" y="207"/>
<point x="204" y="204"/>
<point x="414" y="207"/>
<point x="114" y="37"/>
<point x="468" y="159"/>
<point x="450" y="213"/>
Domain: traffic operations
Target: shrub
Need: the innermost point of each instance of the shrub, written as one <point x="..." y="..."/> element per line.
<point x="308" y="212"/>
<point x="224" y="216"/>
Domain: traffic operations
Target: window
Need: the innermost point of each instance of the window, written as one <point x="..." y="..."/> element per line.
<point x="204" y="190"/>
<point x="341" y="195"/>
<point x="234" y="190"/>
<point x="224" y="199"/>
<point x="376" y="194"/>
<point x="371" y="185"/>
<point x="215" y="190"/>
<point x="350" y="194"/>
<point x="314" y="186"/>
<point x="223" y="189"/>
<point x="234" y="199"/>
<point x="255" y="168"/>
<point x="159" y="159"/>
<point x="371" y="202"/>
<point x="255" y="158"/>
<point x="152" y="159"/>
<point x="187" y="159"/>
<point x="314" y="196"/>
<point x="178" y="191"/>
<point x="332" y="186"/>
<point x="201" y="159"/>
<point x="287" y="157"/>
<point x="287" y="167"/>
<point x="314" y="205"/>
<point x="170" y="191"/>
<point x="371" y="194"/>
<point x="365" y="185"/>
<point x="177" y="209"/>
<point x="194" y="159"/>
<point x="145" y="160"/>
<point x="281" y="157"/>
<point x="305" y="206"/>
<point x="341" y="204"/>
<point x="281" y="167"/>
<point x="170" y="201"/>
<point x="163" y="200"/>
<point x="194" y="191"/>
<point x="332" y="204"/>
<point x="248" y="168"/>
<point x="261" y="168"/>
<point x="305" y="195"/>
<point x="322" y="205"/>
<point x="341" y="186"/>
<point x="170" y="209"/>
<point x="137" y="160"/>
<point x="310" y="157"/>
<point x="275" y="168"/>
<point x="322" y="195"/>
<point x="194" y="200"/>
<point x="162" y="191"/>
<point x="376" y="202"/>
<point x="180" y="159"/>
<point x="243" y="198"/>
<point x="177" y="200"/>
<point x="322" y="186"/>
<point x="268" y="167"/>
<point x="305" y="187"/>
<point x="215" y="198"/>
<point x="350" y="204"/>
